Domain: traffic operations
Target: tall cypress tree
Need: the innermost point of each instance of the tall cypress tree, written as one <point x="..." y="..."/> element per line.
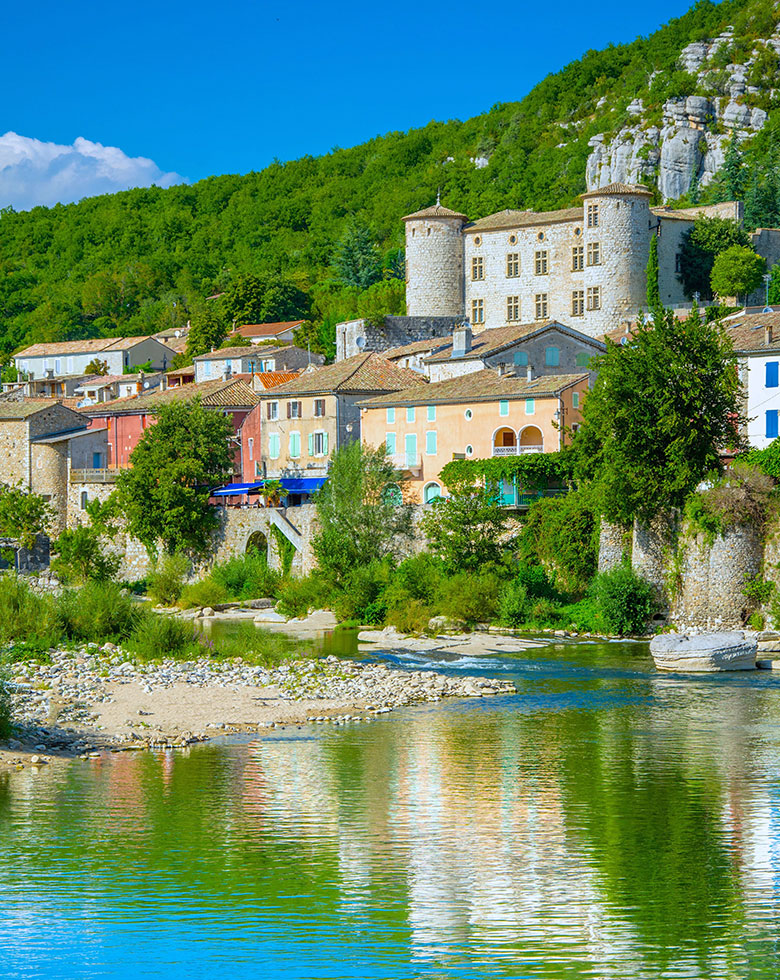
<point x="653" y="291"/>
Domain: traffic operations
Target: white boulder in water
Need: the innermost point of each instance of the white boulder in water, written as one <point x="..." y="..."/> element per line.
<point x="703" y="652"/>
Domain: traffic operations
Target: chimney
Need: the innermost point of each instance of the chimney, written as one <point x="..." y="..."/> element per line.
<point x="227" y="371"/>
<point x="768" y="334"/>
<point x="529" y="373"/>
<point x="461" y="339"/>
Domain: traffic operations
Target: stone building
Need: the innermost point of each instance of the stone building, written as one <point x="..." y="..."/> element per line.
<point x="527" y="350"/>
<point x="585" y="265"/>
<point x="41" y="443"/>
<point x="73" y="357"/>
<point x="253" y="359"/>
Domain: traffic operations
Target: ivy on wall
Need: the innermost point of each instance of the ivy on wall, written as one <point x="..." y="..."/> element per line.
<point x="533" y="471"/>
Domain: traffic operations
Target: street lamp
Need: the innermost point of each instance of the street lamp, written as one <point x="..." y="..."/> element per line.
<point x="767" y="278"/>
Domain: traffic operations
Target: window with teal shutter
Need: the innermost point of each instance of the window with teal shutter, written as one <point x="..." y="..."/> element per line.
<point x="390" y="443"/>
<point x="575" y="399"/>
<point x="503" y="407"/>
<point x="311" y="443"/>
<point x="391" y="416"/>
<point x="430" y="443"/>
<point x="410" y="414"/>
<point x="273" y="445"/>
<point x="530" y="406"/>
<point x="582" y="360"/>
<point x="410" y="445"/>
<point x="295" y="445"/>
<point x="520" y="359"/>
<point x="324" y="443"/>
<point x="431" y="413"/>
<point x="552" y="356"/>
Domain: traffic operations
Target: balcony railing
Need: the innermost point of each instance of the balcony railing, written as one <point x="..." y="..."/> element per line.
<point x="516" y="450"/>
<point x="406" y="461"/>
<point x="94" y="476"/>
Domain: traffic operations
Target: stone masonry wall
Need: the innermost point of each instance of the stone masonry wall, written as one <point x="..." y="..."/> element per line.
<point x="434" y="267"/>
<point x="612" y="541"/>
<point x="395" y="331"/>
<point x="712" y="577"/>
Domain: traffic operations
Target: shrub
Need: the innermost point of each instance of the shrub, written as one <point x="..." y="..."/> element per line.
<point x="25" y="616"/>
<point x="361" y="596"/>
<point x="758" y="590"/>
<point x="97" y="612"/>
<point x="536" y="583"/>
<point x="206" y="592"/>
<point x="471" y="596"/>
<point x="298" y="595"/>
<point x="157" y="637"/>
<point x="513" y="604"/>
<point x="166" y="580"/>
<point x="260" y="646"/>
<point x="545" y="612"/>
<point x="247" y="577"/>
<point x="419" y="576"/>
<point x="741" y="496"/>
<point x="624" y="600"/>
<point x="562" y="534"/>
<point x="5" y="702"/>
<point x="411" y="616"/>
<point x="81" y="556"/>
<point x="756" y="621"/>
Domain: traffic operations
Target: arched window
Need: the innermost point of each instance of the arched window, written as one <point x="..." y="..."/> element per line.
<point x="84" y="499"/>
<point x="431" y="492"/>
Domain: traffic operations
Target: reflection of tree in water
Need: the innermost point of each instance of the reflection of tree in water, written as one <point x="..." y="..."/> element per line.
<point x="648" y="808"/>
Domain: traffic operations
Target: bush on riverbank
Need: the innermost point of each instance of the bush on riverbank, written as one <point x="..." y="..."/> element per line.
<point x="247" y="577"/>
<point x="25" y="615"/>
<point x="159" y="637"/>
<point x="298" y="595"/>
<point x="99" y="612"/>
<point x="5" y="703"/>
<point x="624" y="600"/>
<point x="205" y="592"/>
<point x="166" y="580"/>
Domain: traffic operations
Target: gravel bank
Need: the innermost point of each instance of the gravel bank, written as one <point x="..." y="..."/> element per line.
<point x="93" y="699"/>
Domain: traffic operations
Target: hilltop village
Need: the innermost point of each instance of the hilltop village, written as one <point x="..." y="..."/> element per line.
<point x="494" y="358"/>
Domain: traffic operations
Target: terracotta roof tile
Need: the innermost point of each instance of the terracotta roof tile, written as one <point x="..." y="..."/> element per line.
<point x="748" y="332"/>
<point x="416" y="347"/>
<point x="523" y="219"/>
<point x="484" y="385"/>
<point x="232" y="393"/>
<point x="367" y="373"/>
<point x="619" y="188"/>
<point x="24" y="409"/>
<point x="93" y="345"/>
<point x="272" y="379"/>
<point x="493" y="340"/>
<point x="252" y="350"/>
<point x="435" y="211"/>
<point x="266" y="329"/>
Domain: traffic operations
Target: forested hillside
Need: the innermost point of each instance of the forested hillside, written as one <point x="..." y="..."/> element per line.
<point x="329" y="226"/>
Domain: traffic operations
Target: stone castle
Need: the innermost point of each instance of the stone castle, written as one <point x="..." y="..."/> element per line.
<point x="585" y="266"/>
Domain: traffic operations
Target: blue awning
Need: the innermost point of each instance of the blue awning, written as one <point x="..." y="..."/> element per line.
<point x="303" y="484"/>
<point x="234" y="489"/>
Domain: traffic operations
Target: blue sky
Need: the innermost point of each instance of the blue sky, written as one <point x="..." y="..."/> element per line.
<point x="198" y="89"/>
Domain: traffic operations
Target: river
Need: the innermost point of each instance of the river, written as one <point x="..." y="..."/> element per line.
<point x="608" y="821"/>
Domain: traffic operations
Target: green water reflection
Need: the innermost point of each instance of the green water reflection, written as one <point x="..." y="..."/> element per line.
<point x="607" y="821"/>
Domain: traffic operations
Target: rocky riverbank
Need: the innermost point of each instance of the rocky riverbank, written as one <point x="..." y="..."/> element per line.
<point x="94" y="699"/>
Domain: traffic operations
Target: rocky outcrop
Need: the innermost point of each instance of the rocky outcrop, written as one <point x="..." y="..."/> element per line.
<point x="703" y="652"/>
<point x="690" y="144"/>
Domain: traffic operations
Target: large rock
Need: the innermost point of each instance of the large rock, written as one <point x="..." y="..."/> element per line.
<point x="703" y="652"/>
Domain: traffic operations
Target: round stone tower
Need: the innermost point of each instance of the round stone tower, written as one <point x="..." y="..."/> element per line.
<point x="617" y="218"/>
<point x="434" y="262"/>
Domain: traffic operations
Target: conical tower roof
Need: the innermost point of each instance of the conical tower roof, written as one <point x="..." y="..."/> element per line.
<point x="435" y="211"/>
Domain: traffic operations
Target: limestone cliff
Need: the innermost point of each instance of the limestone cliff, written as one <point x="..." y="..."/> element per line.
<point x="690" y="142"/>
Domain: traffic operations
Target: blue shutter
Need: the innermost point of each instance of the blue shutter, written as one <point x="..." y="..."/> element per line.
<point x="430" y="443"/>
<point x="552" y="356"/>
<point x="390" y="443"/>
<point x="771" y="424"/>
<point x="771" y="374"/>
<point x="521" y="359"/>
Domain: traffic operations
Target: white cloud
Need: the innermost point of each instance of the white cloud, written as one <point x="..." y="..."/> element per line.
<point x="33" y="172"/>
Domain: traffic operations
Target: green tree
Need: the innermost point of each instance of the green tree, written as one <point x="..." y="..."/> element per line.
<point x="175" y="465"/>
<point x="357" y="261"/>
<point x="737" y="271"/>
<point x="207" y="330"/>
<point x="699" y="248"/>
<point x="80" y="551"/>
<point x="662" y="410"/>
<point x="653" y="292"/>
<point x="23" y="514"/>
<point x="774" y="285"/>
<point x="733" y="171"/>
<point x="264" y="299"/>
<point x="97" y="366"/>
<point x="361" y="512"/>
<point x="465" y="528"/>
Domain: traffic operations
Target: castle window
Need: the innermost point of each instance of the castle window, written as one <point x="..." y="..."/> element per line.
<point x="593" y="216"/>
<point x="541" y="305"/>
<point x="677" y="266"/>
<point x="540" y="236"/>
<point x="84" y="499"/>
<point x="478" y="239"/>
<point x="578" y="232"/>
<point x="577" y="258"/>
<point x="512" y="308"/>
<point x="513" y="265"/>
<point x="540" y="262"/>
<point x="478" y="311"/>
<point x="513" y="239"/>
<point x="594" y="253"/>
<point x="594" y="297"/>
<point x="578" y="302"/>
<point x="478" y="268"/>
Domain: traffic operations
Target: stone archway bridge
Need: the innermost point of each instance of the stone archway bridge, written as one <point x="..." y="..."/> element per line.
<point x="296" y="524"/>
